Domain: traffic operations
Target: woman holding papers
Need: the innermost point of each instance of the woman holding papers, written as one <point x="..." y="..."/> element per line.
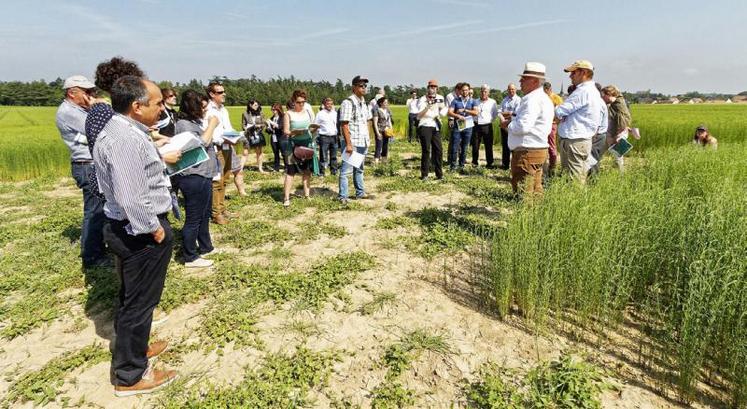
<point x="298" y="147"/>
<point x="275" y="129"/>
<point x="253" y="123"/>
<point x="382" y="126"/>
<point x="196" y="182"/>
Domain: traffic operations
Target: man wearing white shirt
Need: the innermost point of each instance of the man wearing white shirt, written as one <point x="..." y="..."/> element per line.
<point x="508" y="106"/>
<point x="217" y="95"/>
<point x="431" y="107"/>
<point x="580" y="117"/>
<point x="528" y="128"/>
<point x="412" y="114"/>
<point x="487" y="113"/>
<point x="327" y="121"/>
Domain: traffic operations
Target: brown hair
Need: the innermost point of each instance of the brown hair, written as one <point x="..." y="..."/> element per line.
<point x="611" y="90"/>
<point x="211" y="87"/>
<point x="298" y="93"/>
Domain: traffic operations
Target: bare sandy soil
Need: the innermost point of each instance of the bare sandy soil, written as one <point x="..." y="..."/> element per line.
<point x="438" y="296"/>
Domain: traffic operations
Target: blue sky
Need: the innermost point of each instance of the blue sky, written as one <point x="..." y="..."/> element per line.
<point x="666" y="46"/>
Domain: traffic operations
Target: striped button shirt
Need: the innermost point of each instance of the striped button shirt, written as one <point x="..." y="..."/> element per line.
<point x="357" y="118"/>
<point x="131" y="175"/>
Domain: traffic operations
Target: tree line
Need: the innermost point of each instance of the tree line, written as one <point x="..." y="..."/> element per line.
<point x="238" y="91"/>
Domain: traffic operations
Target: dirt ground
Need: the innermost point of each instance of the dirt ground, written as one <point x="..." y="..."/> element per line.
<point x="436" y="295"/>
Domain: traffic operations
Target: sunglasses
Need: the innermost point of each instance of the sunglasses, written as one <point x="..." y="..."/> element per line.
<point x="219" y="92"/>
<point x="300" y="102"/>
<point x="432" y="86"/>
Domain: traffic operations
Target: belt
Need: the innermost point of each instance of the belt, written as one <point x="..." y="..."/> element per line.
<point x="82" y="162"/>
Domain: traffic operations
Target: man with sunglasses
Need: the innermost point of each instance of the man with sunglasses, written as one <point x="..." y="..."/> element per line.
<point x="71" y="122"/>
<point x="354" y="117"/>
<point x="216" y="108"/>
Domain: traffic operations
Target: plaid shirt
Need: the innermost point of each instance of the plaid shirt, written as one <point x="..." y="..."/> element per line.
<point x="357" y="118"/>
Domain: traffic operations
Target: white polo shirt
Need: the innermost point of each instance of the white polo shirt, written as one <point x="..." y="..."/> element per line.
<point x="327" y="121"/>
<point x="488" y="111"/>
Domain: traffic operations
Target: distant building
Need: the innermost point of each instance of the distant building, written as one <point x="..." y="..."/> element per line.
<point x="728" y="101"/>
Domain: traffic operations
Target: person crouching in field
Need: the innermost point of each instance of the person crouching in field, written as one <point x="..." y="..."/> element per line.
<point x="704" y="138"/>
<point x="619" y="119"/>
<point x="71" y="121"/>
<point x="528" y="128"/>
<point x="196" y="183"/>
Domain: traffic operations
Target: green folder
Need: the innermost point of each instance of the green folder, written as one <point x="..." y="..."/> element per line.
<point x="190" y="158"/>
<point x="621" y="147"/>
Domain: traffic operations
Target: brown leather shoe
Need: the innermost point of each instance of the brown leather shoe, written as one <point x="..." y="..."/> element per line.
<point x="152" y="380"/>
<point x="219" y="219"/>
<point x="156" y="348"/>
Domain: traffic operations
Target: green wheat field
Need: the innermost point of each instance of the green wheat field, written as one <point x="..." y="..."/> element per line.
<point x="630" y="292"/>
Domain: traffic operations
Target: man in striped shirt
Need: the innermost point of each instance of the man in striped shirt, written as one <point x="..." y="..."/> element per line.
<point x="131" y="176"/>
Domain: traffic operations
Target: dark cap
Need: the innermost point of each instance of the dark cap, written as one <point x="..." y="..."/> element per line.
<point x="358" y="79"/>
<point x="701" y="127"/>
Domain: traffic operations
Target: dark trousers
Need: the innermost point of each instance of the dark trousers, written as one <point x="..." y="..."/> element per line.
<point x="430" y="150"/>
<point x="198" y="195"/>
<point x="91" y="239"/>
<point x="459" y="143"/>
<point x="328" y="153"/>
<point x="412" y="123"/>
<point x="275" y="155"/>
<point x="483" y="134"/>
<point x="142" y="268"/>
<point x="382" y="147"/>
<point x="505" y="151"/>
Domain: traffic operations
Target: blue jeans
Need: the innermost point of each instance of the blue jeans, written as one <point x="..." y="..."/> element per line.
<point x="460" y="142"/>
<point x="92" y="236"/>
<point x="198" y="204"/>
<point x="346" y="169"/>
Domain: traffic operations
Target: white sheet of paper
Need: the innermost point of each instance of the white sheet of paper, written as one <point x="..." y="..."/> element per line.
<point x="590" y="162"/>
<point x="355" y="159"/>
<point x="180" y="142"/>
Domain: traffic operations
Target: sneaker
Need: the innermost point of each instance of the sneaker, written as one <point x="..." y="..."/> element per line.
<point x="364" y="197"/>
<point x="424" y="178"/>
<point x="152" y="380"/>
<point x="343" y="201"/>
<point x="156" y="349"/>
<point x="159" y="317"/>
<point x="199" y="263"/>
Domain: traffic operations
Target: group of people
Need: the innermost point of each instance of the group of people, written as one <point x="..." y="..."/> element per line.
<point x="120" y="165"/>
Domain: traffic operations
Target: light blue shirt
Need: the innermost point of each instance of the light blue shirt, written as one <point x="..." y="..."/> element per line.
<point x="510" y="104"/>
<point x="581" y="113"/>
<point x="71" y="122"/>
<point x="604" y="124"/>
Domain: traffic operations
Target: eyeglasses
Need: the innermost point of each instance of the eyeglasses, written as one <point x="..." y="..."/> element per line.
<point x="300" y="102"/>
<point x="219" y="92"/>
<point x="171" y="96"/>
<point x="433" y="86"/>
<point x="362" y="85"/>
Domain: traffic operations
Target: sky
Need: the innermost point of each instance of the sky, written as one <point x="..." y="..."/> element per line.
<point x="663" y="45"/>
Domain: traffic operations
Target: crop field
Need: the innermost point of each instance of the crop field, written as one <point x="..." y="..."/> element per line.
<point x="629" y="293"/>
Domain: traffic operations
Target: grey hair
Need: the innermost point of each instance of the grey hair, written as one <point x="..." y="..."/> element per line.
<point x="485" y="86"/>
<point x="127" y="90"/>
<point x="511" y="84"/>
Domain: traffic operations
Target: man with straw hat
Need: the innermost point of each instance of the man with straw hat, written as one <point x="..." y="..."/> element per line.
<point x="580" y="115"/>
<point x="528" y="128"/>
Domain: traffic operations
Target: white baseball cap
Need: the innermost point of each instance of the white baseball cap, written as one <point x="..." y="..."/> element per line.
<point x="78" y="81"/>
